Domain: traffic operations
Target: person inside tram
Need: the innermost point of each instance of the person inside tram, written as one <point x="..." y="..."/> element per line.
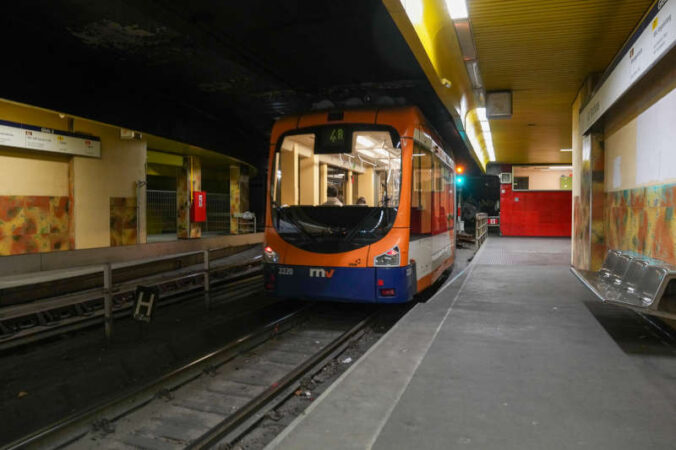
<point x="332" y="197"/>
<point x="361" y="201"/>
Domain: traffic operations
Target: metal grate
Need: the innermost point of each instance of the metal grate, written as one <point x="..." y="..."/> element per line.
<point x="218" y="213"/>
<point x="161" y="211"/>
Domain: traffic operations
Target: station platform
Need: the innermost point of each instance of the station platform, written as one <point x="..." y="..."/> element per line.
<point x="513" y="353"/>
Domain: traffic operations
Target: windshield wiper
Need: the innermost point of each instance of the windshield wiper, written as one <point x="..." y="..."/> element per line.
<point x="295" y="223"/>
<point x="358" y="227"/>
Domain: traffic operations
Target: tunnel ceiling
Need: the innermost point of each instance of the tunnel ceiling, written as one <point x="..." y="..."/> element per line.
<point x="213" y="74"/>
<point x="542" y="51"/>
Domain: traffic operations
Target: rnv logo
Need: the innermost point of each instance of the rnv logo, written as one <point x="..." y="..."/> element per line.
<point x="321" y="273"/>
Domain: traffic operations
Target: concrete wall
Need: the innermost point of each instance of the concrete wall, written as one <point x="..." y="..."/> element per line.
<point x="624" y="189"/>
<point x="640" y="161"/>
<point x="541" y="180"/>
<point x="97" y="181"/>
<point x="51" y="171"/>
<point x="87" y="190"/>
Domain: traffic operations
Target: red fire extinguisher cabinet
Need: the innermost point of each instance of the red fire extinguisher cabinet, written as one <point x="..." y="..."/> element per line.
<point x="198" y="208"/>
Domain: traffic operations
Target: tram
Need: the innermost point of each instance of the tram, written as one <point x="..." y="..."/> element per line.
<point x="360" y="206"/>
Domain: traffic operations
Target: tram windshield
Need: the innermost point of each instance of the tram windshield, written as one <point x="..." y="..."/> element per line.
<point x="336" y="188"/>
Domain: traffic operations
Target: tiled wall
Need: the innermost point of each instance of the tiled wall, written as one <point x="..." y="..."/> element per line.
<point x="642" y="220"/>
<point x="123" y="221"/>
<point x="534" y="213"/>
<point x="32" y="224"/>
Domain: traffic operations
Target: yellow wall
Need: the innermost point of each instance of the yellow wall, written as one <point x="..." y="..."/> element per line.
<point x="122" y="163"/>
<point x="95" y="180"/>
<point x="542" y="180"/>
<point x="51" y="171"/>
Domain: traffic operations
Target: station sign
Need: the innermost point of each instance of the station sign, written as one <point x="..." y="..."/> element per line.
<point x="30" y="137"/>
<point x="653" y="39"/>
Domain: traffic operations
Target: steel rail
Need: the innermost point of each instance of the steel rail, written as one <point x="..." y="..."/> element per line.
<point x="230" y="423"/>
<point x="73" y="427"/>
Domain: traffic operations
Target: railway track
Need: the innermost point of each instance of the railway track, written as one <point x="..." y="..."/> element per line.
<point x="216" y="399"/>
<point x="43" y="318"/>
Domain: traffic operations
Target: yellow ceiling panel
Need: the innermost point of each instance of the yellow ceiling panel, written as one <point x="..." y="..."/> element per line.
<point x="543" y="50"/>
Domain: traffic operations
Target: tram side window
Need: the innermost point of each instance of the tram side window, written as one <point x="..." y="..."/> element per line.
<point x="421" y="201"/>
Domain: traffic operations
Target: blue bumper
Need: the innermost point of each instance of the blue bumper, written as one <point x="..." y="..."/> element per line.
<point x="341" y="284"/>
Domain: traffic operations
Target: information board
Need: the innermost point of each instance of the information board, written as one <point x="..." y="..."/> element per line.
<point x="19" y="135"/>
<point x="656" y="36"/>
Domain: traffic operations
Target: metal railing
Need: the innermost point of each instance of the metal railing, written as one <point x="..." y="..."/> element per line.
<point x="197" y="270"/>
<point x="218" y="213"/>
<point x="160" y="211"/>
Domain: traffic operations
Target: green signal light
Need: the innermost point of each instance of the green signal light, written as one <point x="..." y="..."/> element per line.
<point x="460" y="181"/>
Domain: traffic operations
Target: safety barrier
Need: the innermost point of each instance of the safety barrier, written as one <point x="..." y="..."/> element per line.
<point x="642" y="284"/>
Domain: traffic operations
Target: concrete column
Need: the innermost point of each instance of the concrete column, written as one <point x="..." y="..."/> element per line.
<point x="189" y="180"/>
<point x="588" y="237"/>
<point x="235" y="205"/>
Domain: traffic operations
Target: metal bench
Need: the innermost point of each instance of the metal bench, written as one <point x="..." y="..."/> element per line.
<point x="635" y="282"/>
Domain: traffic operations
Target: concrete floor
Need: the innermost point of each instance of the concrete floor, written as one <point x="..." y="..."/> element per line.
<point x="514" y="354"/>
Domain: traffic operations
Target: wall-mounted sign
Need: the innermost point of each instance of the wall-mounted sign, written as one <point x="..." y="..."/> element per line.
<point x="19" y="135"/>
<point x="654" y="38"/>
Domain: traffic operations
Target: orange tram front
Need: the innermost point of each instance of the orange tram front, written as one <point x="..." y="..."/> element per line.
<point x="360" y="206"/>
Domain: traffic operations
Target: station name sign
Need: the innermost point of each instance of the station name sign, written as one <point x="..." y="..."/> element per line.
<point x="654" y="38"/>
<point x="30" y="137"/>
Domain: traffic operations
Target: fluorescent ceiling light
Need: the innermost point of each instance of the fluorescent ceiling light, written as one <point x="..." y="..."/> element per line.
<point x="414" y="10"/>
<point x="457" y="9"/>
<point x="481" y="114"/>
<point x="365" y="141"/>
<point x="560" y="167"/>
<point x="566" y="149"/>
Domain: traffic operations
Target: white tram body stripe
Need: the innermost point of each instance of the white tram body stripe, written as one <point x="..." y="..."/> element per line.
<point x="429" y="252"/>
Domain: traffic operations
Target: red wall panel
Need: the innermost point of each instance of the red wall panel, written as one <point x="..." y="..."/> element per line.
<point x="535" y="213"/>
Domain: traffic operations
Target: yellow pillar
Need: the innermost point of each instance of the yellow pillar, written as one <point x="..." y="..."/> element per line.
<point x="234" y="198"/>
<point x="365" y="183"/>
<point x="348" y="188"/>
<point x="323" y="181"/>
<point x="189" y="180"/>
<point x="309" y="181"/>
<point x="289" y="165"/>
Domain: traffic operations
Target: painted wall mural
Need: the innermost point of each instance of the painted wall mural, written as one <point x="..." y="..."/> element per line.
<point x="33" y="224"/>
<point x="641" y="220"/>
<point x="123" y="221"/>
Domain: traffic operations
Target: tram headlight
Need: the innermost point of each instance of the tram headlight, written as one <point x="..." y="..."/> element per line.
<point x="269" y="255"/>
<point x="389" y="258"/>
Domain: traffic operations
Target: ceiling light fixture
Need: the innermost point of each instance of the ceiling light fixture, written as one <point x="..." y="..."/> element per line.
<point x="365" y="141"/>
<point x="560" y="167"/>
<point x="457" y="9"/>
<point x="566" y="149"/>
